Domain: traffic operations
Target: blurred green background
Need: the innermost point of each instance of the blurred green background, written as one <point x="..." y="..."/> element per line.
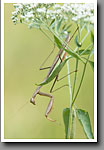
<point x="25" y="50"/>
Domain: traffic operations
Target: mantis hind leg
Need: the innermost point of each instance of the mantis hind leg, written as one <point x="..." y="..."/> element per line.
<point x="54" y="84"/>
<point x="50" y="105"/>
<point x="66" y="85"/>
<point x="49" y="108"/>
<point x="56" y="79"/>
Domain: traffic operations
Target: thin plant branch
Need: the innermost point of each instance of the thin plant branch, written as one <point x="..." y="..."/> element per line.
<point x="70" y="94"/>
<point x="80" y="81"/>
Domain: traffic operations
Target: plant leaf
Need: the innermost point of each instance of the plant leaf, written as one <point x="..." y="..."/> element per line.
<point x="85" y="52"/>
<point x="81" y="52"/>
<point x="66" y="115"/>
<point x="84" y="119"/>
<point x="66" y="28"/>
<point x="55" y="72"/>
<point x="77" y="43"/>
<point x="52" y="24"/>
<point x="92" y="37"/>
<point x="68" y="50"/>
<point x="59" y="24"/>
<point x="92" y="64"/>
<point x="63" y="28"/>
<point x="58" y="42"/>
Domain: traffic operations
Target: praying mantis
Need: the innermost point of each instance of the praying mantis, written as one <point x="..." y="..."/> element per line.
<point x="53" y="74"/>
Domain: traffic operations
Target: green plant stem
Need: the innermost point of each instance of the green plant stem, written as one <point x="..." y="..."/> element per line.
<point x="70" y="93"/>
<point x="72" y="101"/>
<point x="72" y="123"/>
<point x="72" y="133"/>
<point x="72" y="106"/>
<point x="69" y="82"/>
<point x="75" y="78"/>
<point x="80" y="81"/>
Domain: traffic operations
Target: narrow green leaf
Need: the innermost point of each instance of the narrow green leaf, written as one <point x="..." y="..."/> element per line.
<point x="84" y="119"/>
<point x="52" y="22"/>
<point x="63" y="28"/>
<point x="86" y="52"/>
<point x="92" y="37"/>
<point x="68" y="50"/>
<point x="20" y="20"/>
<point x="77" y="43"/>
<point x="66" y="115"/>
<point x="54" y="73"/>
<point x="81" y="52"/>
<point x="59" y="24"/>
<point x="92" y="64"/>
<point x="66" y="28"/>
<point x="58" y="42"/>
<point x="56" y="23"/>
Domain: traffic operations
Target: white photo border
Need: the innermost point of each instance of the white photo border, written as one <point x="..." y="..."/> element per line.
<point x="2" y="71"/>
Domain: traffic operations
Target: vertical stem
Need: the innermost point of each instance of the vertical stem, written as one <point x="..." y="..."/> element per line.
<point x="75" y="78"/>
<point x="72" y="117"/>
<point x="81" y="80"/>
<point x="70" y="94"/>
<point x="69" y="82"/>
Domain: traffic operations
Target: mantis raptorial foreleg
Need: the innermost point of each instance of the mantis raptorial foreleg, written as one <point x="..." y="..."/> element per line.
<point x="37" y="91"/>
<point x="32" y="100"/>
<point x="50" y="105"/>
<point x="49" y="108"/>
